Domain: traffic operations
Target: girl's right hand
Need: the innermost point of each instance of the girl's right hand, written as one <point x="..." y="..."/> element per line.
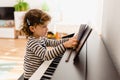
<point x="71" y="43"/>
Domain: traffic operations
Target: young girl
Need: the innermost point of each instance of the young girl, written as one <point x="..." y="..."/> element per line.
<point x="35" y="27"/>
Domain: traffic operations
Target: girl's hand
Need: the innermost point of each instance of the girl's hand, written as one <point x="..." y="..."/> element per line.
<point x="71" y="43"/>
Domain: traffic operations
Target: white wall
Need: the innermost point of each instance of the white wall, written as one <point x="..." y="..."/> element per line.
<point x="111" y="29"/>
<point x="13" y="2"/>
<point x="83" y="11"/>
<point x="70" y="12"/>
<point x="4" y="3"/>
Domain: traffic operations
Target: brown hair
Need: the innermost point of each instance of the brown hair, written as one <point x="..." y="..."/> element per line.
<point x="32" y="18"/>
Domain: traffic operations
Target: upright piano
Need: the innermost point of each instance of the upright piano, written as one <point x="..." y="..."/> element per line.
<point x="92" y="63"/>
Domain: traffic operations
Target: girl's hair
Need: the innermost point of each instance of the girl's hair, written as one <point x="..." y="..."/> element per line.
<point x="32" y="18"/>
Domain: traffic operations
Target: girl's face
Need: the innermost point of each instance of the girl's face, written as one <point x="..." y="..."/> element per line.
<point x="40" y="30"/>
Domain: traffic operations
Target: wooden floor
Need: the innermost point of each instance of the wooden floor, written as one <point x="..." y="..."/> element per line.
<point x="12" y="52"/>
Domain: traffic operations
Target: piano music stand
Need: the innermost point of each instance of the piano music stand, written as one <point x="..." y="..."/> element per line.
<point x="84" y="32"/>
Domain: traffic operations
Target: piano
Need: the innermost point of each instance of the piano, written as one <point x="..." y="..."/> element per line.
<point x="59" y="66"/>
<point x="92" y="63"/>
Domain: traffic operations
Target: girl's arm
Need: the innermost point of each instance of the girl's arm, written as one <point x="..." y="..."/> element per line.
<point x="45" y="54"/>
<point x="52" y="42"/>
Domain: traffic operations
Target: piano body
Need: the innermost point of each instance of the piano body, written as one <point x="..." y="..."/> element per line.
<point x="92" y="63"/>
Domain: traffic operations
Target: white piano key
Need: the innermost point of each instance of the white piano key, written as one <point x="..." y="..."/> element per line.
<point x="48" y="75"/>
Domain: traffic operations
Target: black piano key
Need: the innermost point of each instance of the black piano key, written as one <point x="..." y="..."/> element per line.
<point x="55" y="61"/>
<point x="45" y="77"/>
<point x="49" y="70"/>
<point x="48" y="73"/>
<point x="53" y="65"/>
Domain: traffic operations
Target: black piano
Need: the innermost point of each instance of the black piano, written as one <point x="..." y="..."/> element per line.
<point x="92" y="62"/>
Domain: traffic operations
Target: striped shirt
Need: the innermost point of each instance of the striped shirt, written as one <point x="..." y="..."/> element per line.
<point x="37" y="53"/>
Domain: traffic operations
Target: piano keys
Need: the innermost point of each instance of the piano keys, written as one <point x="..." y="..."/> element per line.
<point x="51" y="69"/>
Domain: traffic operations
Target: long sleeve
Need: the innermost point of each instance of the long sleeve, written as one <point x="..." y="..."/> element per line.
<point x="52" y="42"/>
<point x="45" y="54"/>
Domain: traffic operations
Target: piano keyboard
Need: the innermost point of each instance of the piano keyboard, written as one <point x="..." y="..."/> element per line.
<point x="51" y="69"/>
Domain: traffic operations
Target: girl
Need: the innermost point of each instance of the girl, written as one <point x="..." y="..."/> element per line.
<point x="35" y="27"/>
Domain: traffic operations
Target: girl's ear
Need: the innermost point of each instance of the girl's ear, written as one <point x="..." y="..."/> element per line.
<point x="31" y="28"/>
